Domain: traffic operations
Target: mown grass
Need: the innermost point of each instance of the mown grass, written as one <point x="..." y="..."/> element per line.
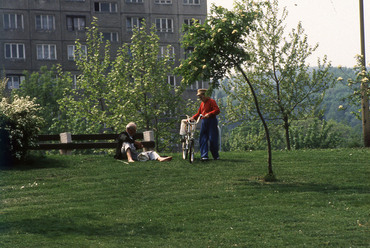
<point x="322" y="199"/>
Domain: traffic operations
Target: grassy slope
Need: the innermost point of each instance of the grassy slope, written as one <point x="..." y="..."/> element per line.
<point x="322" y="199"/>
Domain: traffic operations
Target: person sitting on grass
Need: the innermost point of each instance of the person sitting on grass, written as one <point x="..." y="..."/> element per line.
<point x="127" y="147"/>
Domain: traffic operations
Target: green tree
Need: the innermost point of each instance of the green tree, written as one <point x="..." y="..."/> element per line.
<point x="3" y="84"/>
<point x="151" y="101"/>
<point x="289" y="88"/>
<point x="131" y="87"/>
<point x="219" y="47"/>
<point x="46" y="89"/>
<point x="84" y="105"/>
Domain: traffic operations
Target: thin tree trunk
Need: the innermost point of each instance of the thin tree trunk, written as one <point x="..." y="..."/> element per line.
<point x="269" y="160"/>
<point x="287" y="136"/>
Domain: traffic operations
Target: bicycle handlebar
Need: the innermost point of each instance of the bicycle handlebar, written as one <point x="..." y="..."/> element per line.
<point x="195" y="121"/>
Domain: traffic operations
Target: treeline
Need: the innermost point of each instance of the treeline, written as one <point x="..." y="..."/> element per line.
<point x="334" y="124"/>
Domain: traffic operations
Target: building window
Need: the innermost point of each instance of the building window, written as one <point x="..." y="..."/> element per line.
<point x="13" y="21"/>
<point x="105" y="7"/>
<point x="72" y="49"/>
<point x="112" y="37"/>
<point x="190" y="22"/>
<point x="164" y="25"/>
<point x="188" y="52"/>
<point x="167" y="51"/>
<point x="163" y="1"/>
<point x="76" y="23"/>
<point x="134" y="1"/>
<point x="14" y="81"/>
<point x="191" y="2"/>
<point x="45" y="22"/>
<point x="197" y="85"/>
<point x="46" y="52"/>
<point x="132" y="22"/>
<point x="14" y="51"/>
<point x="171" y="80"/>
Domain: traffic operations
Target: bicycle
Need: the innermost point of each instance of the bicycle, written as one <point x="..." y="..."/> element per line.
<point x="188" y="128"/>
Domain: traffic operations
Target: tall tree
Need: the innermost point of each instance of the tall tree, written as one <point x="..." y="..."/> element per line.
<point x="219" y="47"/>
<point x="46" y="89"/>
<point x="84" y="104"/>
<point x="131" y="87"/>
<point x="290" y="88"/>
<point x="143" y="74"/>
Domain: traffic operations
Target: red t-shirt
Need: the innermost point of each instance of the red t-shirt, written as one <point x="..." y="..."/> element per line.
<point x="209" y="107"/>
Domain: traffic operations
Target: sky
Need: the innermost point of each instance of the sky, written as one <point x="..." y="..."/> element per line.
<point x="333" y="24"/>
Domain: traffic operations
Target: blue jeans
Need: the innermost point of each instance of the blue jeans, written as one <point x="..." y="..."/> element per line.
<point x="209" y="132"/>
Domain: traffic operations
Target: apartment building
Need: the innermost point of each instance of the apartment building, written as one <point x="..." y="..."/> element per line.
<point x="35" y="33"/>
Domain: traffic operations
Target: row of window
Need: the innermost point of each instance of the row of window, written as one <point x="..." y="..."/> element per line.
<point x="78" y="23"/>
<point x="49" y="51"/>
<point x="111" y="7"/>
<point x="15" y="80"/>
<point x="15" y="22"/>
<point x="47" y="22"/>
<point x="191" y="2"/>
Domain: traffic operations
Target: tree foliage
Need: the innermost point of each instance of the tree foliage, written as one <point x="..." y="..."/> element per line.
<point x="84" y="105"/>
<point x="360" y="96"/>
<point x="46" y="88"/>
<point x="361" y="76"/>
<point x="219" y="48"/>
<point x="288" y="88"/>
<point x="311" y="133"/>
<point x="22" y="123"/>
<point x="3" y="84"/>
<point x="151" y="101"/>
<point x="218" y="43"/>
<point x="131" y="87"/>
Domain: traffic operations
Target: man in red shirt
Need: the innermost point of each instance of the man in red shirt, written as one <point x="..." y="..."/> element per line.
<point x="209" y="128"/>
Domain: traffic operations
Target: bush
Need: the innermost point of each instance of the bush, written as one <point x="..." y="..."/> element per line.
<point x="311" y="133"/>
<point x="245" y="137"/>
<point x="315" y="134"/>
<point x="22" y="124"/>
<point x="251" y="136"/>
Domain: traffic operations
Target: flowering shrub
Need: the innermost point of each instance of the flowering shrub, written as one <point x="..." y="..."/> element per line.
<point x="21" y="123"/>
<point x="359" y="85"/>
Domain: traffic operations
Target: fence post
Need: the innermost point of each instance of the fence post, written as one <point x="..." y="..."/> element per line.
<point x="148" y="136"/>
<point x="65" y="138"/>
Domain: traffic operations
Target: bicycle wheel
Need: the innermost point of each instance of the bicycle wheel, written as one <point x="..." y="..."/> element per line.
<point x="184" y="150"/>
<point x="191" y="151"/>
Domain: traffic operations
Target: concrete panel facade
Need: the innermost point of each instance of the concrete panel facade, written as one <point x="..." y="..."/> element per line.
<point x="27" y="24"/>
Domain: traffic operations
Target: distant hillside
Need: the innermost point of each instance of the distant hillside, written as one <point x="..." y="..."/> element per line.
<point x="334" y="98"/>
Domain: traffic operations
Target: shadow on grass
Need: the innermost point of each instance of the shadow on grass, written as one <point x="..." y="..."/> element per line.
<point x="226" y="160"/>
<point x="34" y="162"/>
<point x="86" y="225"/>
<point x="303" y="187"/>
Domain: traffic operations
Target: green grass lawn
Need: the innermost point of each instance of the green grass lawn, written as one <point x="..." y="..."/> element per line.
<point x="321" y="199"/>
